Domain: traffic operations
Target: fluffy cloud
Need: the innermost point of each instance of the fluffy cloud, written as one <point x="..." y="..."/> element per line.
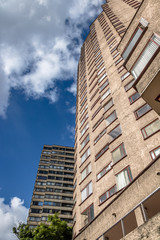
<point x="40" y="42"/>
<point x="10" y="216"/>
<point x="72" y="110"/>
<point x="71" y="131"/>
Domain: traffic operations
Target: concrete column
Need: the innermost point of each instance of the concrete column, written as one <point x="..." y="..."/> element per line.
<point x="139" y="216"/>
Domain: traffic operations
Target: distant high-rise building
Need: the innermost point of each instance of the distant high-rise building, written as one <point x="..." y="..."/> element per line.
<point x="117" y="140"/>
<point x="53" y="190"/>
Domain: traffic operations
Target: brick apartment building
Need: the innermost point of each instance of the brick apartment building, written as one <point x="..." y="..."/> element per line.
<point x="117" y="140"/>
<point x="53" y="190"/>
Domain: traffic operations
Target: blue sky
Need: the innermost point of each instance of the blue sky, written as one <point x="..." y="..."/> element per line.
<point x="40" y="42"/>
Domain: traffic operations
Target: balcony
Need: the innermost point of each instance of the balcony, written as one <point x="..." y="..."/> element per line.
<point x="150" y="92"/>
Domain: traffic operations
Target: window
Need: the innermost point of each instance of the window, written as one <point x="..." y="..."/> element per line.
<point x="120" y="68"/>
<point x="99" y="136"/>
<point x="85" y="141"/>
<point x="42" y="177"/>
<point x="36" y="203"/>
<point x="103" y="85"/>
<point x="43" y="166"/>
<point x="53" y="196"/>
<point x="123" y="178"/>
<point x="142" y="110"/>
<point x="124" y="76"/>
<point x="35" y="219"/>
<point x="38" y="196"/>
<point x="106" y="94"/>
<point x="133" y="41"/>
<point x="44" y="218"/>
<point x="84" y="110"/>
<point x="111" y="118"/>
<point x="97" y="54"/>
<point x="155" y="152"/>
<point x="115" y="55"/>
<point x="118" y="153"/>
<point x="85" y="155"/>
<point x="89" y="213"/>
<point x="40" y="183"/>
<point x="115" y="133"/>
<point x="129" y="85"/>
<point x="103" y="76"/>
<point x="86" y="171"/>
<point x="46" y="203"/>
<point x="107" y="194"/>
<point x="108" y="105"/>
<point x="40" y="189"/>
<point x="102" y="151"/>
<point x="101" y="70"/>
<point x="96" y="112"/>
<point x="46" y="210"/>
<point x="43" y="172"/>
<point x="84" y="129"/>
<point x="146" y="56"/>
<point x="150" y="129"/>
<point x="84" y="119"/>
<point x="86" y="191"/>
<point x="100" y="64"/>
<point x="84" y="101"/>
<point x="119" y="60"/>
<point x="34" y="210"/>
<point x="134" y="97"/>
<point x="104" y="171"/>
<point x="98" y="123"/>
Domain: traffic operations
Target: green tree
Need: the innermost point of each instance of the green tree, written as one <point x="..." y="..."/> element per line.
<point x="55" y="230"/>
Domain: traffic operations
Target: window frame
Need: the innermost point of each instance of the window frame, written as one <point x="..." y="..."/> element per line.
<point x="133" y="34"/>
<point x="116" y="136"/>
<point x="105" y="193"/>
<point x="149" y="62"/>
<point x="102" y="151"/>
<point x="109" y="116"/>
<point x="123" y="150"/>
<point x="152" y="152"/>
<point x="130" y="97"/>
<point x="129" y="176"/>
<point x="106" y="171"/>
<point x="111" y="100"/>
<point x="89" y="217"/>
<point x="87" y="172"/>
<point x="135" y="112"/>
<point x="126" y="90"/>
<point x="87" y="191"/>
<point x="146" y="132"/>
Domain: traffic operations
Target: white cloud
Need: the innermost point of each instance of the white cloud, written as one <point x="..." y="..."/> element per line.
<point x="71" y="131"/>
<point x="72" y="110"/>
<point x="41" y="45"/>
<point x="10" y="216"/>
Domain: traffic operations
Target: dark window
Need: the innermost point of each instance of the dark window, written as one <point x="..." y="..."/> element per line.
<point x="134" y="97"/>
<point x="142" y="110"/>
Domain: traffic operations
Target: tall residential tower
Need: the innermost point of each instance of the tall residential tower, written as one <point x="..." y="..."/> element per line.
<point x="117" y="141"/>
<point x="53" y="190"/>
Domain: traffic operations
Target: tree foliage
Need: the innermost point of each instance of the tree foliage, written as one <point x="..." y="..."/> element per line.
<point x="55" y="230"/>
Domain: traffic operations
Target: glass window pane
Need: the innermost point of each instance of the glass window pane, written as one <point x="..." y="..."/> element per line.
<point x="118" y="153"/>
<point x="141" y="111"/>
<point x="108" y="105"/>
<point x="106" y="94"/>
<point x="132" y="43"/>
<point x="111" y="118"/>
<point x="152" y="128"/>
<point x="146" y="56"/>
<point x="103" y="198"/>
<point x="115" y="133"/>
